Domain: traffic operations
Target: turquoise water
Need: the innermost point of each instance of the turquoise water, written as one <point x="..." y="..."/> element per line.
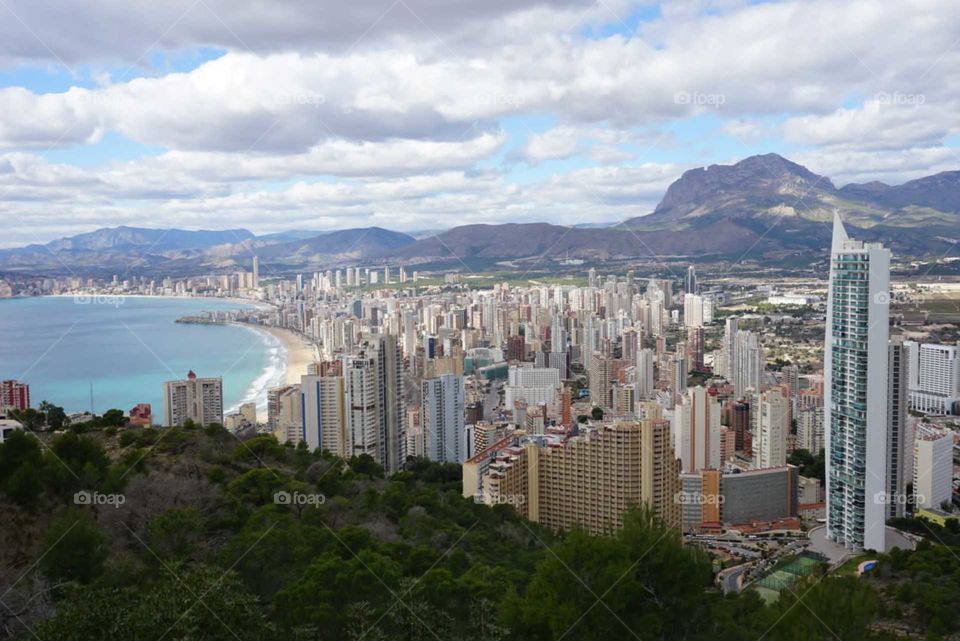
<point x="127" y="349"/>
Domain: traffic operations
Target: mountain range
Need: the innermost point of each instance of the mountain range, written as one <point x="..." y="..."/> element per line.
<point x="766" y="205"/>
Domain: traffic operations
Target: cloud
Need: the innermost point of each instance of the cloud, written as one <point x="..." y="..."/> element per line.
<point x="442" y="199"/>
<point x="755" y="61"/>
<point x="415" y="113"/>
<point x="128" y="31"/>
<point x="890" y="122"/>
<point x="892" y="167"/>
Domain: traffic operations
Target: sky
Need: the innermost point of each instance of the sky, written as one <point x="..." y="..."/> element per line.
<point x="427" y="114"/>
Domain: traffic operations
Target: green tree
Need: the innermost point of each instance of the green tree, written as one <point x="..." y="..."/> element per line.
<point x="641" y="579"/>
<point x="175" y="533"/>
<point x="203" y="603"/>
<point x="364" y="465"/>
<point x="54" y="417"/>
<point x="75" y="548"/>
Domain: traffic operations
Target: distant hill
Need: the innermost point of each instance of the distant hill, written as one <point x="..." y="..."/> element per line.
<point x="150" y="240"/>
<point x="766" y="205"/>
<point x="940" y="192"/>
<point x="526" y="240"/>
<point x="744" y="188"/>
<point x="347" y="244"/>
<point x="128" y="250"/>
<point x="789" y="207"/>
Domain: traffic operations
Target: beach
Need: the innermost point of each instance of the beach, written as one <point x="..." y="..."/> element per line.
<point x="300" y="353"/>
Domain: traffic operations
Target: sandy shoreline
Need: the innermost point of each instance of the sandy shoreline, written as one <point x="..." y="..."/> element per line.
<point x="300" y="353"/>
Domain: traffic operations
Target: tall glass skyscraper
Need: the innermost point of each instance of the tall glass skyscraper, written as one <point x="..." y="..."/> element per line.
<point x="855" y="391"/>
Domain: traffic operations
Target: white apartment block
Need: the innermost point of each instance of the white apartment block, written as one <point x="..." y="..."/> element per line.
<point x="323" y="412"/>
<point x="932" y="466"/>
<point x="442" y="419"/>
<point x="195" y="399"/>
<point x="770" y="437"/>
<point x="535" y="385"/>
<point x="934" y="377"/>
<point x="696" y="430"/>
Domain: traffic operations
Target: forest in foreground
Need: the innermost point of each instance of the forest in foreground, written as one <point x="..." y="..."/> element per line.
<point x="191" y="533"/>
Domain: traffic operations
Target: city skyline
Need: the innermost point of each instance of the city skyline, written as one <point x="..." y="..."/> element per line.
<point x="479" y="320"/>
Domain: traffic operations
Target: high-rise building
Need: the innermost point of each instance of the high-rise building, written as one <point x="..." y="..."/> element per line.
<point x="728" y="351"/>
<point x="645" y="374"/>
<point x="696" y="429"/>
<point x="193" y="399"/>
<point x="934" y="378"/>
<point x="591" y="479"/>
<point x="534" y="385"/>
<point x="692" y="310"/>
<point x="442" y="418"/>
<point x="772" y="427"/>
<point x="256" y="272"/>
<point x="898" y="446"/>
<point x="288" y="417"/>
<point x="592" y="277"/>
<point x="691" y="286"/>
<point x="601" y="377"/>
<point x="855" y="391"/>
<point x="385" y="349"/>
<point x="14" y="395"/>
<point x="516" y="348"/>
<point x="324" y="413"/>
<point x="695" y="349"/>
<point x="362" y="407"/>
<point x="740" y="422"/>
<point x="748" y="364"/>
<point x="810" y="429"/>
<point x="791" y="381"/>
<point x="933" y="466"/>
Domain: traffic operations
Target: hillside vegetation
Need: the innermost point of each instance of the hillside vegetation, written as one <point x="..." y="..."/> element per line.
<point x="191" y="534"/>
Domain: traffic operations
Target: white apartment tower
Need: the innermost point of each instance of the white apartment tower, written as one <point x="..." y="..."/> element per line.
<point x="933" y="466"/>
<point x="748" y="362"/>
<point x="442" y="418"/>
<point x="195" y="399"/>
<point x="385" y="350"/>
<point x="645" y="374"/>
<point x="696" y="430"/>
<point x="323" y="408"/>
<point x="934" y="377"/>
<point x="855" y="391"/>
<point x="772" y="427"/>
<point x="362" y="408"/>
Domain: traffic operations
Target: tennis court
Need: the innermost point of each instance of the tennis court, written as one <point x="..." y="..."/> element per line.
<point x="784" y="575"/>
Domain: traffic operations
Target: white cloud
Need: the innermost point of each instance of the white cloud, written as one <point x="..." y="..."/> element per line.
<point x="889" y="123"/>
<point x="299" y="123"/>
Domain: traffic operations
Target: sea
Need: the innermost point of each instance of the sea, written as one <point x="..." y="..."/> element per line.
<point x="100" y="353"/>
